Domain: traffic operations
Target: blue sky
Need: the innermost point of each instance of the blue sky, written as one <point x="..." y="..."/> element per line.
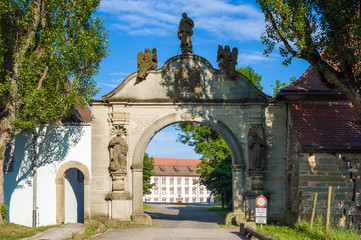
<point x="135" y="25"/>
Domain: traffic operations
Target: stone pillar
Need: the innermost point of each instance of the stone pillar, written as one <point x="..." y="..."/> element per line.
<point x="237" y="216"/>
<point x="86" y="200"/>
<point x="138" y="215"/>
<point x="60" y="198"/>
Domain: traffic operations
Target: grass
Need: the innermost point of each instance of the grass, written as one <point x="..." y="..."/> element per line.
<point x="12" y="231"/>
<point x="303" y="231"/>
<point x="218" y="210"/>
<point x="147" y="206"/>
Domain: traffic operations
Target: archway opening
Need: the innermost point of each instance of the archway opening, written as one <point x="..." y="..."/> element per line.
<point x="74" y="196"/>
<point x="192" y="172"/>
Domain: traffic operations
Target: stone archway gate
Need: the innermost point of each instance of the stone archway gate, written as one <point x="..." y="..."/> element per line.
<point x="186" y="89"/>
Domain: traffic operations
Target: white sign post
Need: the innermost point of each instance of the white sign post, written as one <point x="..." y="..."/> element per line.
<point x="261" y="211"/>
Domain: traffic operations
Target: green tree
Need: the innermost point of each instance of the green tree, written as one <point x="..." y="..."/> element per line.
<point x="251" y="75"/>
<point x="327" y="34"/>
<point x="49" y="51"/>
<point x="279" y="85"/>
<point x="210" y="144"/>
<point x="148" y="167"/>
<point x="219" y="181"/>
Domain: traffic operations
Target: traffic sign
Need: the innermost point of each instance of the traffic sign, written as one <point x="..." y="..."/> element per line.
<point x="261" y="220"/>
<point x="261" y="201"/>
<point x="261" y="212"/>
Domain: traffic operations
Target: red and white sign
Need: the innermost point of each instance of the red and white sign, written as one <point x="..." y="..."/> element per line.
<point x="261" y="201"/>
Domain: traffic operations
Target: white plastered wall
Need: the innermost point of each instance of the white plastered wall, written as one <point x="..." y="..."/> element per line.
<point x="56" y="146"/>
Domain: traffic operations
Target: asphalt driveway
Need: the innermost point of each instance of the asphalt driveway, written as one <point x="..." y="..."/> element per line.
<point x="178" y="222"/>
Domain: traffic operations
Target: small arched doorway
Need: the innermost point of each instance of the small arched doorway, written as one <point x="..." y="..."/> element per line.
<point x="72" y="186"/>
<point x="74" y="196"/>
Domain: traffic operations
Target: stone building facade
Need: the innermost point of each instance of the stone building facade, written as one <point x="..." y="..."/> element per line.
<point x="323" y="148"/>
<point x="176" y="181"/>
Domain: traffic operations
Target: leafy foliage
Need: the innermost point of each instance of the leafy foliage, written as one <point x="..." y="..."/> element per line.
<point x="49" y="52"/>
<point x="251" y="75"/>
<point x="327" y="34"/>
<point x="3" y="209"/>
<point x="214" y="174"/>
<point x="279" y="85"/>
<point x="148" y="167"/>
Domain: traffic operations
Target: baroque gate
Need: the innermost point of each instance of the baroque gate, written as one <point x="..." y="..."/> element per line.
<point x="185" y="89"/>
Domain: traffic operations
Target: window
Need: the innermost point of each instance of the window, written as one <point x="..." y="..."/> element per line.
<point x="194" y="199"/>
<point x="171" y="199"/>
<point x="194" y="190"/>
<point x="164" y="199"/>
<point x="155" y="191"/>
<point x="163" y="190"/>
<point x="171" y="181"/>
<point x="156" y="181"/>
<point x="179" y="181"/>
<point x="186" y="190"/>
<point x="147" y="199"/>
<point x="156" y="199"/>
<point x="194" y="181"/>
<point x="163" y="181"/>
<point x="171" y="190"/>
<point x="201" y="199"/>
<point x="187" y="200"/>
<point x="201" y="190"/>
<point x="186" y="181"/>
<point x="179" y="190"/>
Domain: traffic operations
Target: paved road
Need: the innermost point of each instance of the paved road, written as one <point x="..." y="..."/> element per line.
<point x="178" y="222"/>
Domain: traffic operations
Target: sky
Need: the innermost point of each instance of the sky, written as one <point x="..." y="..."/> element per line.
<point x="135" y="25"/>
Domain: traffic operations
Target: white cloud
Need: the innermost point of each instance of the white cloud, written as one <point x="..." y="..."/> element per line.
<point x="158" y="17"/>
<point x="252" y="57"/>
<point x="119" y="74"/>
<point x="108" y="85"/>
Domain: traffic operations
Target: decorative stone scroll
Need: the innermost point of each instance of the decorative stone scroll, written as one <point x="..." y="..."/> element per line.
<point x="256" y="147"/>
<point x="146" y="62"/>
<point x="227" y="60"/>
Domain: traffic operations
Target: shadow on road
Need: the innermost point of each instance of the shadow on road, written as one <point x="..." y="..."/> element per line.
<point x="198" y="212"/>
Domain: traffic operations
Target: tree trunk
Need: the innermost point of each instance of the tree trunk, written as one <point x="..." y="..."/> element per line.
<point x="5" y="137"/>
<point x="222" y="196"/>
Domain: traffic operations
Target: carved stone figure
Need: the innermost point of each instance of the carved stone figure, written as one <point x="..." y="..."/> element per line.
<point x="184" y="34"/>
<point x="118" y="149"/>
<point x="256" y="147"/>
<point x="146" y="62"/>
<point x="227" y="60"/>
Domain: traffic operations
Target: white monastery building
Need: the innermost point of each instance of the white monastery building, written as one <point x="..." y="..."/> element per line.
<point x="176" y="181"/>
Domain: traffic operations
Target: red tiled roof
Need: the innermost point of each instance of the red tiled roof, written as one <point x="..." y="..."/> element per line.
<point x="308" y="82"/>
<point x="325" y="125"/>
<point x="175" y="167"/>
<point x="83" y="114"/>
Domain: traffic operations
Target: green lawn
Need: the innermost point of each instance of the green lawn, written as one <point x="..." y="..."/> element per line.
<point x="11" y="231"/>
<point x="304" y="232"/>
<point x="147" y="207"/>
<point x="218" y="210"/>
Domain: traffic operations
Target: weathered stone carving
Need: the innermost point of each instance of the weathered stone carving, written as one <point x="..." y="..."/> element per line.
<point x="227" y="60"/>
<point x="118" y="149"/>
<point x="256" y="146"/>
<point x="188" y="79"/>
<point x="184" y="34"/>
<point x="146" y="62"/>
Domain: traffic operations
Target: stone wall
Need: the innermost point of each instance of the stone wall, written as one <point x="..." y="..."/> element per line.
<point x="317" y="171"/>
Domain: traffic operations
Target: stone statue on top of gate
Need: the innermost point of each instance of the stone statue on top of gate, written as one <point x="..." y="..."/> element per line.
<point x="184" y="34"/>
<point x="227" y="60"/>
<point x="146" y="62"/>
